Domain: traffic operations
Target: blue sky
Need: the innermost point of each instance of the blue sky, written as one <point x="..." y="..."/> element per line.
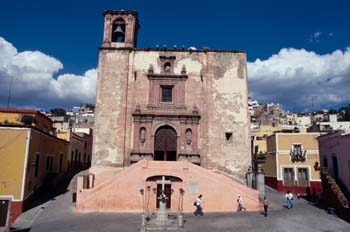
<point x="71" y="32"/>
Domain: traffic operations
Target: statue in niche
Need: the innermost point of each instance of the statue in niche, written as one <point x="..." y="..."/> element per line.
<point x="150" y="69"/>
<point x="143" y="135"/>
<point x="188" y="136"/>
<point x="167" y="67"/>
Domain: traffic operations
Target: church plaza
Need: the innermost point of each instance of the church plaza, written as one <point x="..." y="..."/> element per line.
<point x="170" y="124"/>
<point x="59" y="214"/>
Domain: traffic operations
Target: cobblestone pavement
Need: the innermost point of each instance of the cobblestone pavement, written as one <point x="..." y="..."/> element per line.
<point x="59" y="215"/>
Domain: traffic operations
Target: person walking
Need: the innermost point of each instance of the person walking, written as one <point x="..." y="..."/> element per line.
<point x="319" y="196"/>
<point x="289" y="197"/>
<point x="240" y="206"/>
<point x="266" y="205"/>
<point x="198" y="204"/>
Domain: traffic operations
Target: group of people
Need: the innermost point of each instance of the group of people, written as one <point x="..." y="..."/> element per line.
<point x="240" y="207"/>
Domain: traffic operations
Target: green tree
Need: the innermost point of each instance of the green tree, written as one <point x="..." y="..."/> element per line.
<point x="90" y="106"/>
<point x="58" y="112"/>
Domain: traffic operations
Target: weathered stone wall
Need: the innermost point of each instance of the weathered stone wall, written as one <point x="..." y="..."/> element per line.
<point x="216" y="84"/>
<point x="109" y="128"/>
<point x="226" y="111"/>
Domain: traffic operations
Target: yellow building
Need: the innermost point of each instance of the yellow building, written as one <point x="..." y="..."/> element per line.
<point x="77" y="148"/>
<point x="29" y="156"/>
<point x="290" y="162"/>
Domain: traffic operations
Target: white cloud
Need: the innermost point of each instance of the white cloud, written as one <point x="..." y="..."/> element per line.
<point x="317" y="34"/>
<point x="292" y="76"/>
<point x="34" y="82"/>
<point x="315" y="37"/>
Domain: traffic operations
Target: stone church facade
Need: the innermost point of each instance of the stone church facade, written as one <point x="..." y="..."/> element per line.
<point x="169" y="104"/>
<point x="159" y="107"/>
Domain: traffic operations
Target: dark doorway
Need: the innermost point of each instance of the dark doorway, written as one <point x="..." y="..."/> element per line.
<point x="4" y="206"/>
<point x="165" y="144"/>
<point x="167" y="191"/>
<point x="335" y="167"/>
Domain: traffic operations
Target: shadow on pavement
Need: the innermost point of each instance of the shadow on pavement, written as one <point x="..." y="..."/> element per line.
<point x="20" y="230"/>
<point x="52" y="187"/>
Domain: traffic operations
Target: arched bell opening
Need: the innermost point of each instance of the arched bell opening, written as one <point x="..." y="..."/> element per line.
<point x="118" y="31"/>
<point x="165" y="144"/>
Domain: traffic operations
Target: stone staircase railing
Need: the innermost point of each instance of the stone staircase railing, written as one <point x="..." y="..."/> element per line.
<point x="334" y="197"/>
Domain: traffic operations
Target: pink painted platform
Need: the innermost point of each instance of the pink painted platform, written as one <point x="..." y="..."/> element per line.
<point x="120" y="191"/>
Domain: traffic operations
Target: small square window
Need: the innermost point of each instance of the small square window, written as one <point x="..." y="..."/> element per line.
<point x="166" y="93"/>
<point x="228" y="136"/>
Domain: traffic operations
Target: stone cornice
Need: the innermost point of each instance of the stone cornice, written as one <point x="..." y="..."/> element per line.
<point x="120" y="12"/>
<point x="155" y="76"/>
<point x="172" y="50"/>
<point x="149" y="116"/>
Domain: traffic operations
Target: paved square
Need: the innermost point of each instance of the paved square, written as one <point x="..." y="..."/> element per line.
<point x="59" y="215"/>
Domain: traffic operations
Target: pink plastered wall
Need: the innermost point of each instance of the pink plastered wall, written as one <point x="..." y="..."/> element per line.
<point x="333" y="147"/>
<point x="121" y="192"/>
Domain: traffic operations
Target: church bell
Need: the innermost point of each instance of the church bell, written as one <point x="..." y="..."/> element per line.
<point x="118" y="29"/>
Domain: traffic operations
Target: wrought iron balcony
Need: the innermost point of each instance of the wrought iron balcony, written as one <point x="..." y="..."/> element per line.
<point x="298" y="155"/>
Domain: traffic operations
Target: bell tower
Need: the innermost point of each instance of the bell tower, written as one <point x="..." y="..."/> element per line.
<point x="120" y="28"/>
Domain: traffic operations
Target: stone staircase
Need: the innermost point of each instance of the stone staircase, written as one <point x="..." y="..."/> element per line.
<point x="121" y="192"/>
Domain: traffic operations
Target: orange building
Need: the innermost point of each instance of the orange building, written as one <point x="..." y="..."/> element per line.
<point x="291" y="162"/>
<point x="29" y="155"/>
<point x="26" y="118"/>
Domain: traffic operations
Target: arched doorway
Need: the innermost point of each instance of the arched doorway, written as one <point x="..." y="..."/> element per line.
<point x="165" y="144"/>
<point x="168" y="181"/>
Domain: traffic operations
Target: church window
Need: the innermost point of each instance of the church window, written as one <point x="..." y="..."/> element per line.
<point x="167" y="93"/>
<point x="118" y="31"/>
<point x="228" y="136"/>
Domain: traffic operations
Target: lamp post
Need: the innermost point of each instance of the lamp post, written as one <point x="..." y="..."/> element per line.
<point x="143" y="217"/>
<point x="147" y="200"/>
<point x="180" y="221"/>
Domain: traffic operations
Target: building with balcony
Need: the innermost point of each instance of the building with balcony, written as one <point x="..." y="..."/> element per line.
<point x="292" y="162"/>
